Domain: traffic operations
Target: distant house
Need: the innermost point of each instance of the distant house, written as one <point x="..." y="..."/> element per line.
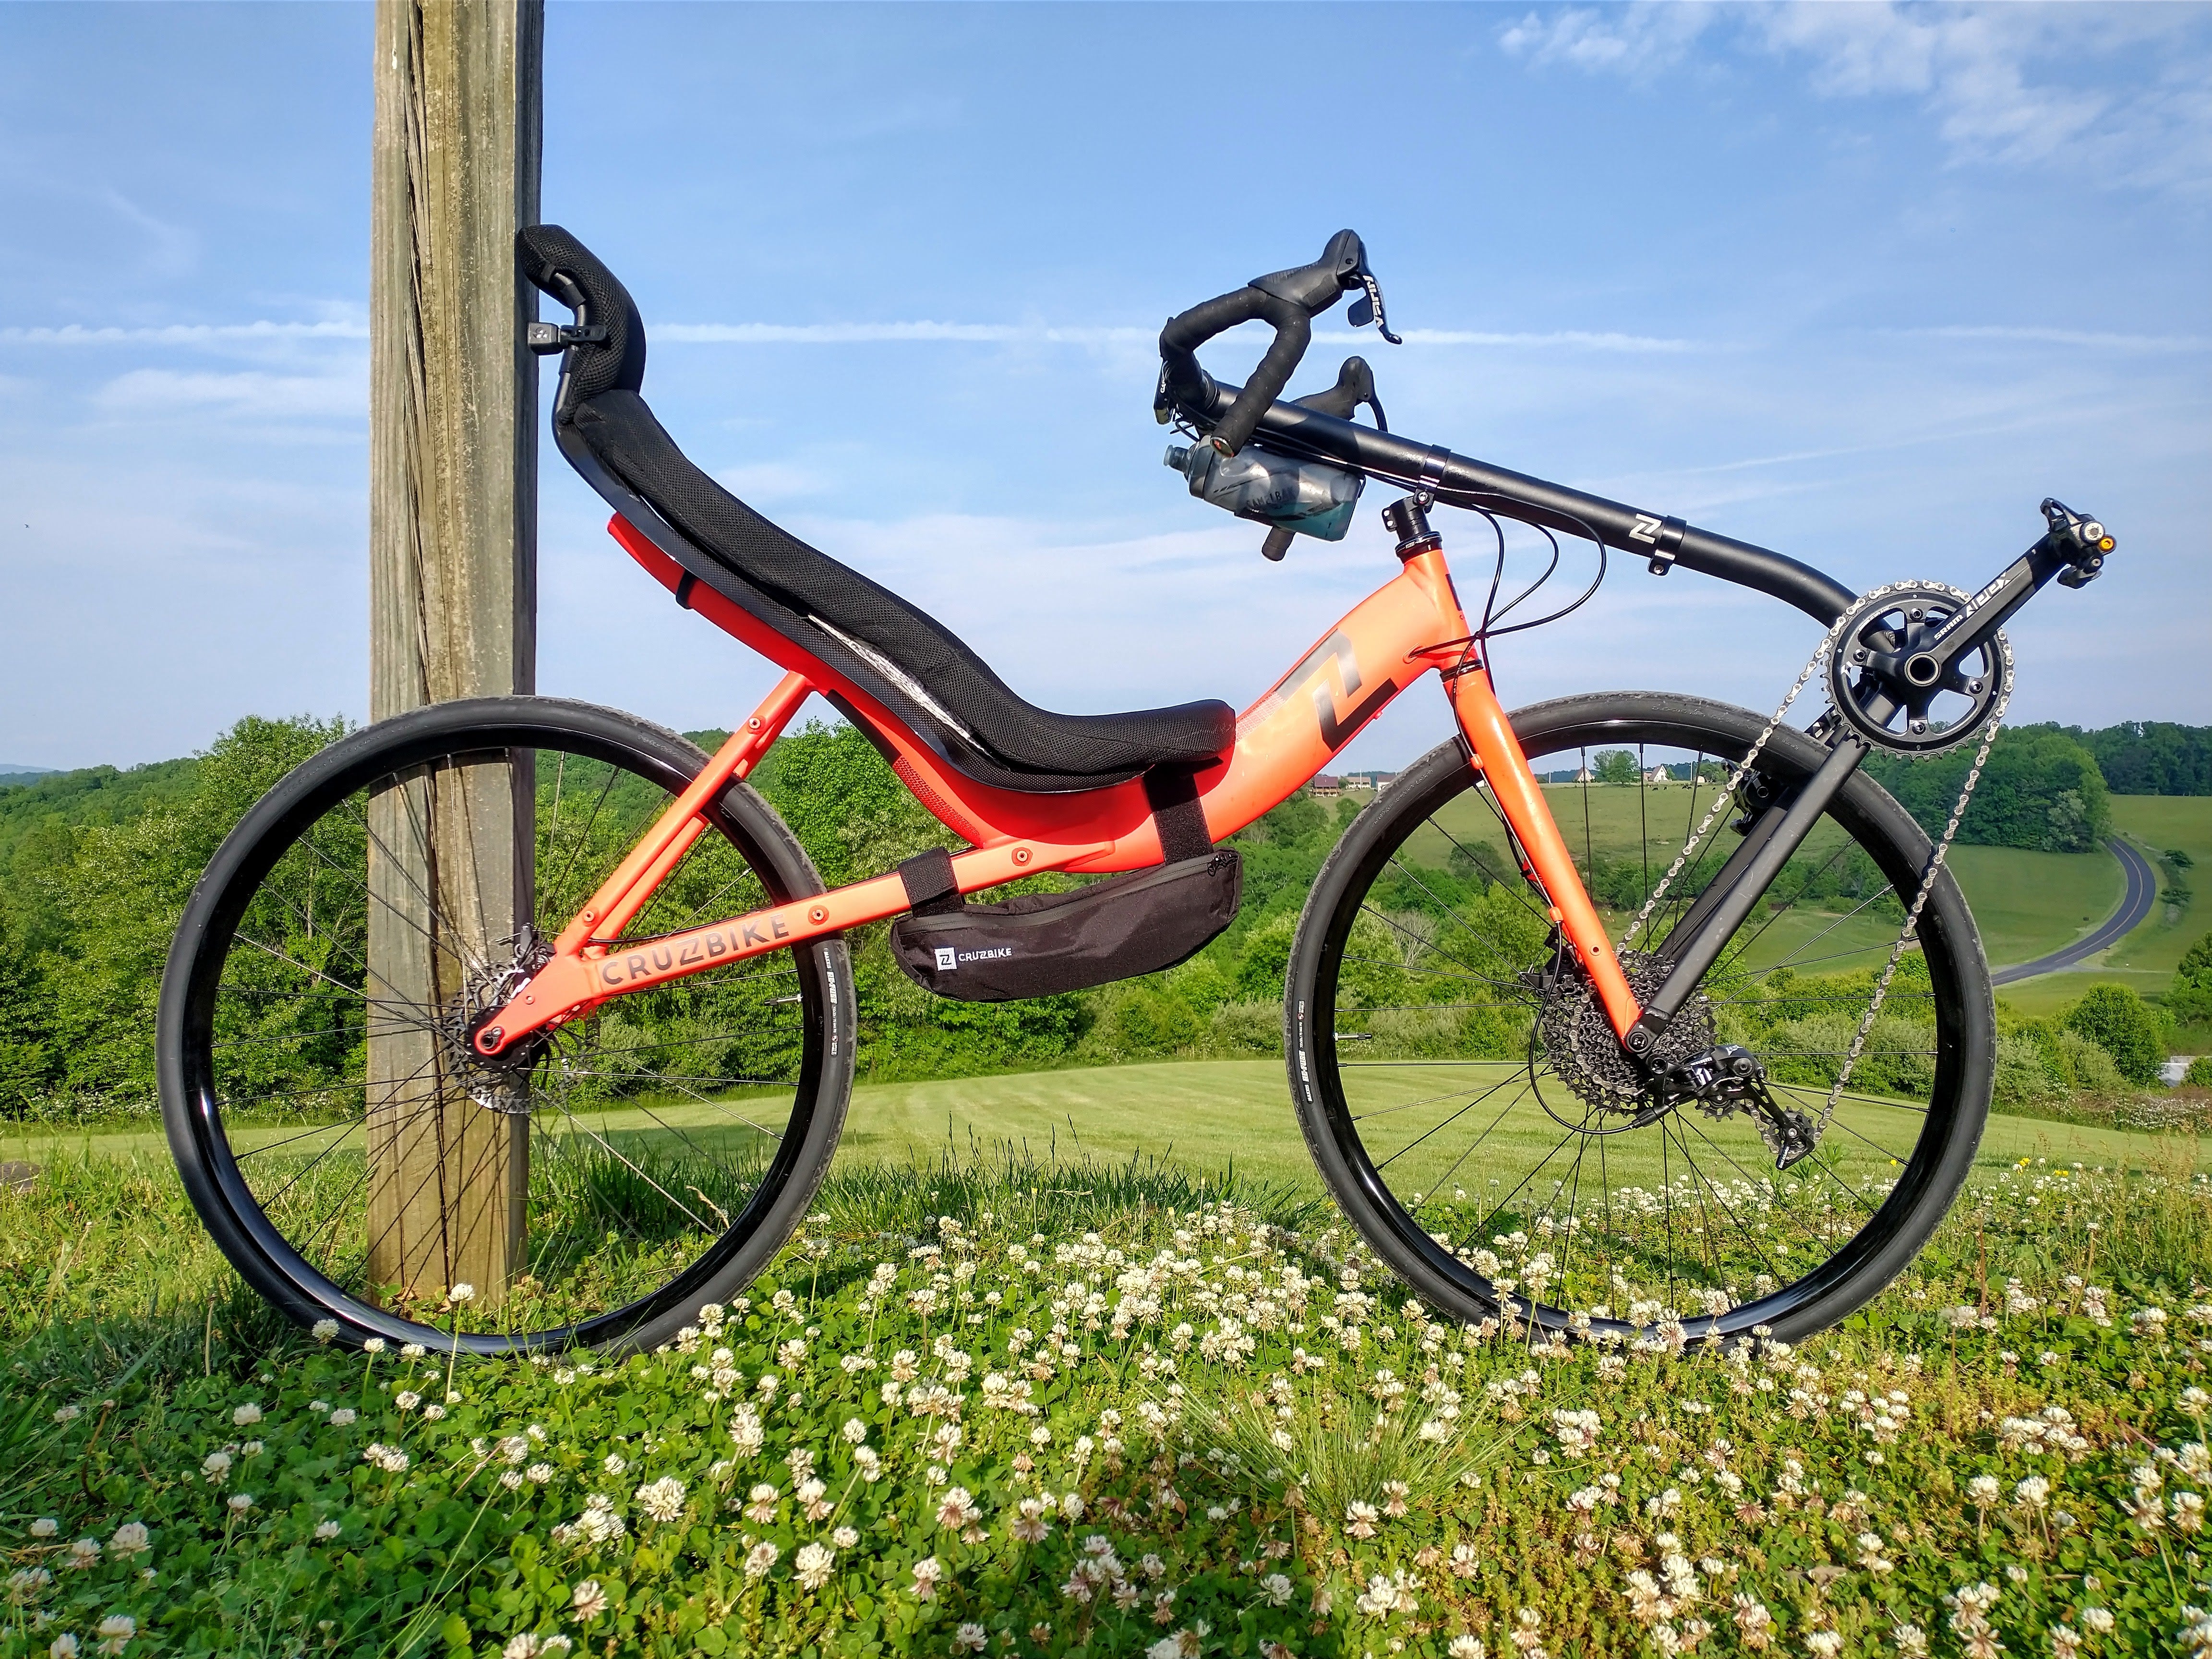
<point x="1327" y="786"/>
<point x="1585" y="775"/>
<point x="1376" y="781"/>
<point x="1658" y="775"/>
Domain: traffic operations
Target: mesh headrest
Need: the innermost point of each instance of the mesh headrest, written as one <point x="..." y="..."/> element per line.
<point x="562" y="266"/>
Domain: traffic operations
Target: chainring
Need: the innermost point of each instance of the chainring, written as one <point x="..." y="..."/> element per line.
<point x="1878" y="653"/>
<point x="1583" y="1049"/>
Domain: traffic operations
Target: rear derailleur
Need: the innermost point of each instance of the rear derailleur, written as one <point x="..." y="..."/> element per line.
<point x="1728" y="1079"/>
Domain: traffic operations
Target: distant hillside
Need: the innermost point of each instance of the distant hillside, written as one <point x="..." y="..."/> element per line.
<point x="2151" y="757"/>
<point x="96" y="794"/>
<point x="24" y="772"/>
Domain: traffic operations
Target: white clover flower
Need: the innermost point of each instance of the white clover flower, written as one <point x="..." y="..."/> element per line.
<point x="323" y="1329"/>
<point x="68" y="1414"/>
<point x="588" y="1599"/>
<point x="1465" y="1647"/>
<point x="374" y="1344"/>
<point x="760" y="1558"/>
<point x="1983" y="1489"/>
<point x="63" y="1647"/>
<point x="343" y="1416"/>
<point x="85" y="1552"/>
<point x="748" y="1432"/>
<point x="115" y="1631"/>
<point x="662" y="1499"/>
<point x="241" y="1502"/>
<point x="854" y="1432"/>
<point x="247" y="1415"/>
<point x="2099" y="1619"/>
<point x="970" y="1638"/>
<point x="2032" y="1492"/>
<point x="462" y="1293"/>
<point x="215" y="1467"/>
<point x="1277" y="1588"/>
<point x="845" y="1538"/>
<point x="412" y="1351"/>
<point x="407" y="1399"/>
<point x="928" y="1573"/>
<point x="131" y="1539"/>
<point x="47" y="1526"/>
<point x="326" y="1530"/>
<point x="614" y="1463"/>
<point x="812" y="1564"/>
<point x="538" y="1473"/>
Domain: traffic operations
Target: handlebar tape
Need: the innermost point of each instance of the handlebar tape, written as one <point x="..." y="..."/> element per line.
<point x="1287" y="300"/>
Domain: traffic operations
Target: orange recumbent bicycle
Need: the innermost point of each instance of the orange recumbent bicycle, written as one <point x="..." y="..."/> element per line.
<point x="1692" y="1082"/>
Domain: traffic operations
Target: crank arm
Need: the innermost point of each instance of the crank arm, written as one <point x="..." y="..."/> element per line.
<point x="2072" y="551"/>
<point x="1693" y="955"/>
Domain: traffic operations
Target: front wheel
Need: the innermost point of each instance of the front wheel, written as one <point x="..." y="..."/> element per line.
<point x="336" y="1131"/>
<point x="1474" y="1118"/>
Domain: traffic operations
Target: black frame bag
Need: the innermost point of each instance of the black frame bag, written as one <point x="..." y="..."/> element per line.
<point x="1038" y="944"/>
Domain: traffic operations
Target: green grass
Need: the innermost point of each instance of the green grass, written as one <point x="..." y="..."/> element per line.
<point x="1211" y="1414"/>
<point x="2155" y="822"/>
<point x="1199" y="1115"/>
<point x="2026" y="903"/>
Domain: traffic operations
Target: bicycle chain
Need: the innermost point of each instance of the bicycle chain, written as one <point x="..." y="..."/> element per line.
<point x="1935" y="861"/>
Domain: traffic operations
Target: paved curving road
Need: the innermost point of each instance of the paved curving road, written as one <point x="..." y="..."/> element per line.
<point x="2135" y="904"/>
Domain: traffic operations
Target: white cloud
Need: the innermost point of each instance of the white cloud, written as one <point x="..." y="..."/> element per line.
<point x="874" y="333"/>
<point x="1634" y="41"/>
<point x="2087" y="339"/>
<point x="186" y="334"/>
<point x="2012" y="83"/>
<point x="1040" y="334"/>
<point x="171" y="250"/>
<point x="249" y="395"/>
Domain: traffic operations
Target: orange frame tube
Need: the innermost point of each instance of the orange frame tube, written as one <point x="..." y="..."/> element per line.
<point x="1407" y="628"/>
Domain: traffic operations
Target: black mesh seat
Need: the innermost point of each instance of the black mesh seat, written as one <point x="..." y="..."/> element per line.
<point x="906" y="658"/>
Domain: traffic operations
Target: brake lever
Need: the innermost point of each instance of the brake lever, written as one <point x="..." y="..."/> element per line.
<point x="1355" y="385"/>
<point x="1368" y="308"/>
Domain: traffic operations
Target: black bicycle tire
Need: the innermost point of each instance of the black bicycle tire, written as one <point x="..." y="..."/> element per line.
<point x="192" y="1118"/>
<point x="1959" y="972"/>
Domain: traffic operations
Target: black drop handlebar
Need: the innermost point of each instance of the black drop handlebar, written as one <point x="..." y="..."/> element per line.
<point x="1287" y="300"/>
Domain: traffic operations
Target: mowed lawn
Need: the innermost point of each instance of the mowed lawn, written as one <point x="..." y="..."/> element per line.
<point x="1204" y="1115"/>
<point x="2155" y="822"/>
<point x="2145" y="960"/>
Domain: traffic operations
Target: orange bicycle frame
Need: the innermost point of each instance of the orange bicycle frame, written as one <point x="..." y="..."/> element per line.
<point x="1409" y="627"/>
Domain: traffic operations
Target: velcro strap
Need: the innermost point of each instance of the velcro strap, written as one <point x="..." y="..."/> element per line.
<point x="1172" y="793"/>
<point x="931" y="889"/>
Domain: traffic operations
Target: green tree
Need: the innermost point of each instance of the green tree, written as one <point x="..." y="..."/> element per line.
<point x="2124" y="1026"/>
<point x="2190" y="1001"/>
<point x="1615" y="766"/>
<point x="2041" y="790"/>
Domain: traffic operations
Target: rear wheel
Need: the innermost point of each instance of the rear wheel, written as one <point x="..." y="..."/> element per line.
<point x="336" y="1133"/>
<point x="1479" y="1128"/>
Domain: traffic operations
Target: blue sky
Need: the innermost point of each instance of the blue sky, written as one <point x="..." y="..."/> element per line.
<point x="1860" y="282"/>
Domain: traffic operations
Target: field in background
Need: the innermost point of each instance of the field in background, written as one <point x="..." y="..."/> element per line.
<point x="2026" y="903"/>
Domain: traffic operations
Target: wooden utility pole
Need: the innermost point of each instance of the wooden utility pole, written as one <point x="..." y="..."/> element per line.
<point x="452" y="604"/>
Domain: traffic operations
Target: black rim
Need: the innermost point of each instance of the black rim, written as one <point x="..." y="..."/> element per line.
<point x="1578" y="1196"/>
<point x="641" y="1131"/>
